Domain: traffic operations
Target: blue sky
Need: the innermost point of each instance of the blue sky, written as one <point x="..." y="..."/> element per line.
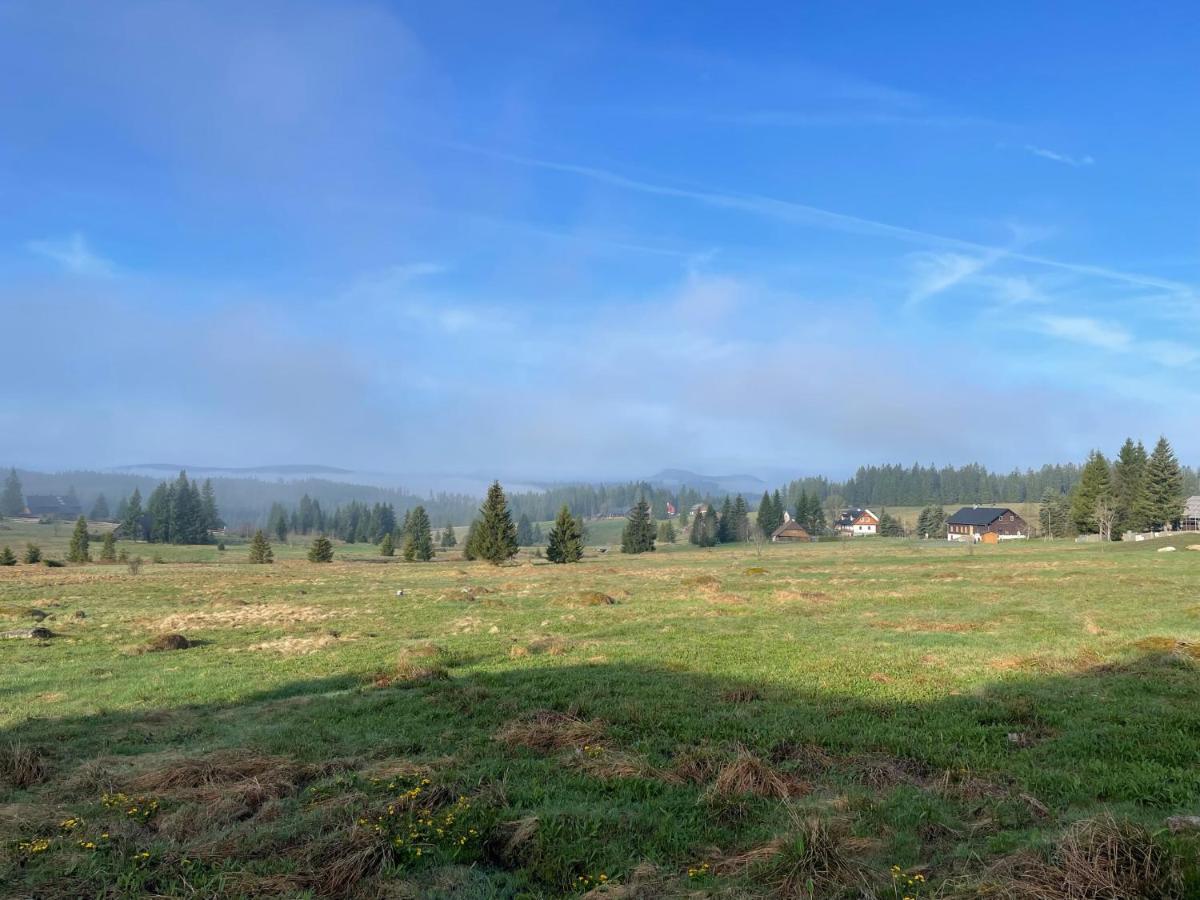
<point x="573" y="240"/>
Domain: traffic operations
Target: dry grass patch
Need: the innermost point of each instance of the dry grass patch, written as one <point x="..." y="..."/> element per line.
<point x="783" y="595"/>
<point x="744" y="694"/>
<point x="294" y="646"/>
<point x="1095" y="859"/>
<point x="22" y="766"/>
<point x="813" y="860"/>
<point x="588" y="598"/>
<point x="748" y="775"/>
<point x="241" y="616"/>
<point x="709" y="582"/>
<point x="1179" y="647"/>
<point x="165" y="642"/>
<point x="549" y="646"/>
<point x="600" y="762"/>
<point x="547" y="731"/>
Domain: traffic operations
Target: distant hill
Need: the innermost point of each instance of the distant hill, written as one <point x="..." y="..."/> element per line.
<point x="283" y="469"/>
<point x="708" y="484"/>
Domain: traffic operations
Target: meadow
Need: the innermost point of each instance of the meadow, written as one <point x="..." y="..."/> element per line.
<point x="871" y="718"/>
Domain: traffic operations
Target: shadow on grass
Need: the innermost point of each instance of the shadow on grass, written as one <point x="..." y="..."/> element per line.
<point x="619" y="766"/>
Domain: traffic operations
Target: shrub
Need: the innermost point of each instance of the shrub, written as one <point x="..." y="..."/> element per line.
<point x="260" y="549"/>
<point x="134" y="563"/>
<point x="33" y="554"/>
<point x="321" y="550"/>
<point x="7" y="557"/>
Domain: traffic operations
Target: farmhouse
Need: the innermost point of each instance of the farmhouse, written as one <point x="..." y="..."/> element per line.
<point x="43" y="505"/>
<point x="856" y="522"/>
<point x="988" y="524"/>
<point x="1191" y="514"/>
<point x="791" y="530"/>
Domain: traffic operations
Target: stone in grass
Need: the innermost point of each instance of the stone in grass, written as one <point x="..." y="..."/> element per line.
<point x="37" y="633"/>
<point x="169" y="642"/>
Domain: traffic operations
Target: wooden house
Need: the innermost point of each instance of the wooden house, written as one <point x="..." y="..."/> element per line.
<point x="52" y="507"/>
<point x="857" y="522"/>
<point x="988" y="524"/>
<point x="791" y="530"/>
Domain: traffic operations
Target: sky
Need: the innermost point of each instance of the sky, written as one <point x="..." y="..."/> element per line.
<point x="554" y="241"/>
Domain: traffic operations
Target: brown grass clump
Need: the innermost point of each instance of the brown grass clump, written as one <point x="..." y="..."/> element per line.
<point x="511" y="842"/>
<point x="1169" y="645"/>
<point x="701" y="581"/>
<point x="749" y="775"/>
<point x="415" y="666"/>
<point x="756" y="570"/>
<point x="550" y="646"/>
<point x="22" y="766"/>
<point x="168" y="642"/>
<point x="814" y="856"/>
<point x="744" y="694"/>
<point x="594" y="598"/>
<point x="547" y="731"/>
<point x="695" y="765"/>
<point x="1096" y="859"/>
<point x="602" y="763"/>
<point x="646" y="882"/>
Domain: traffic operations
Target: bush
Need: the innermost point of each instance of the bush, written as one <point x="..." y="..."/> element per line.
<point x="134" y="564"/>
<point x="321" y="550"/>
<point x="7" y="557"/>
<point x="33" y="554"/>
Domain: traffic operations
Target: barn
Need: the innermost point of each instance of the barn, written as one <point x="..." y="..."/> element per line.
<point x="791" y="530"/>
<point x="986" y="523"/>
<point x="47" y="506"/>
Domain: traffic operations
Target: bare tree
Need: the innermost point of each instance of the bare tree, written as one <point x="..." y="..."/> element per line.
<point x="759" y="538"/>
<point x="1106" y="513"/>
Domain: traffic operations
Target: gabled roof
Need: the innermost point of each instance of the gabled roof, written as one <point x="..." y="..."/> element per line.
<point x="977" y="515"/>
<point x="790" y="527"/>
<point x="1191" y="508"/>
<point x="850" y="516"/>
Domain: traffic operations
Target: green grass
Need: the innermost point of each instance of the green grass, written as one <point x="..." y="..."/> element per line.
<point x="732" y="725"/>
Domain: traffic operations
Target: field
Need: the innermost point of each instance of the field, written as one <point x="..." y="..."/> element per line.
<point x="880" y="718"/>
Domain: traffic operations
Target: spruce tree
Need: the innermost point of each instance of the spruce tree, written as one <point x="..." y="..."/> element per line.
<point x="666" y="532"/>
<point x="100" y="511"/>
<point x="387" y="547"/>
<point x="497" y="537"/>
<point x="471" y="542"/>
<point x="766" y="515"/>
<point x="1095" y="485"/>
<point x="711" y="527"/>
<point x="78" y="552"/>
<point x="740" y="528"/>
<point x="133" y="523"/>
<point x="538" y="537"/>
<point x="931" y="523"/>
<point x="7" y="557"/>
<point x="277" y="523"/>
<point x="1164" y="486"/>
<point x="565" y="543"/>
<point x="777" y="508"/>
<point x="158" y="514"/>
<point x="108" y="550"/>
<point x="208" y="508"/>
<point x="12" y="501"/>
<point x="320" y="550"/>
<point x="33" y="554"/>
<point x="638" y="534"/>
<point x="524" y="531"/>
<point x="418" y="542"/>
<point x="1129" y="488"/>
<point x="725" y="533"/>
<point x="696" y="534"/>
<point x="448" y="538"/>
<point x="260" y="550"/>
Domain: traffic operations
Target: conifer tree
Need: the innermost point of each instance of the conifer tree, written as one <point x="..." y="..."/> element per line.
<point x="638" y="534"/>
<point x="108" y="550"/>
<point x="740" y="527"/>
<point x="158" y="514"/>
<point x="816" y="516"/>
<point x="7" y="557"/>
<point x="766" y="515"/>
<point x="208" y="508"/>
<point x="418" y="541"/>
<point x="448" y="538"/>
<point x="260" y="550"/>
<point x="320" y="550"/>
<point x="666" y="532"/>
<point x="777" y="508"/>
<point x="524" y="531"/>
<point x="78" y="552"/>
<point x="696" y="534"/>
<point x="1164" y="486"/>
<point x="387" y="547"/>
<point x="100" y="511"/>
<point x="1095" y="485"/>
<point x="33" y="554"/>
<point x="1129" y="488"/>
<point x="538" y="537"/>
<point x="725" y="523"/>
<point x="565" y="544"/>
<point x="12" y="501"/>
<point x="133" y="523"/>
<point x="277" y="523"/>
<point x="931" y="523"/>
<point x="471" y="543"/>
<point x="497" y="536"/>
<point x="711" y="527"/>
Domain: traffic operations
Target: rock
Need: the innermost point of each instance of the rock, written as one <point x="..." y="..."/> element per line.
<point x="494" y="630"/>
<point x="37" y="633"/>
<point x="1166" y="549"/>
<point x="400" y="593"/>
<point x="1184" y="823"/>
<point x="80" y="614"/>
<point x="1193" y="546"/>
<point x="169" y="642"/>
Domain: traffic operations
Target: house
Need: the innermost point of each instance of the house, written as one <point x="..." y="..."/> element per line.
<point x="47" y="506"/>
<point x="791" y="530"/>
<point x="988" y="524"/>
<point x="857" y="522"/>
<point x="1190" y="521"/>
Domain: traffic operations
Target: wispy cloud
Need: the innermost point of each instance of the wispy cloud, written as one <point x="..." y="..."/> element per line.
<point x="938" y="272"/>
<point x="800" y="213"/>
<point x="1085" y="330"/>
<point x="74" y="254"/>
<point x="1059" y="157"/>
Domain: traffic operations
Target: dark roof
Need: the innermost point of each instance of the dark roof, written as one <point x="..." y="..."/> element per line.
<point x="978" y="515"/>
<point x="46" y="504"/>
<point x="850" y="515"/>
<point x="791" y="526"/>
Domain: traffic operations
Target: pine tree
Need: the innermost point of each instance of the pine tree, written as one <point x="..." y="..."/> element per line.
<point x="448" y="538"/>
<point x="777" y="508"/>
<point x="638" y="534"/>
<point x="524" y="531"/>
<point x="260" y="550"/>
<point x="538" y="537"/>
<point x="78" y="552"/>
<point x="158" y="514"/>
<point x="1164" y="487"/>
<point x="418" y="542"/>
<point x="108" y="550"/>
<point x="1129" y="488"/>
<point x="740" y="527"/>
<point x="725" y="533"/>
<point x="133" y="524"/>
<point x="320" y="550"/>
<point x="666" y="532"/>
<point x="33" y="554"/>
<point x="497" y="538"/>
<point x="565" y="544"/>
<point x="696" y="534"/>
<point x="816" y="516"/>
<point x="7" y="557"/>
<point x="471" y="543"/>
<point x="277" y="522"/>
<point x="387" y="547"/>
<point x="889" y="525"/>
<point x="187" y="516"/>
<point x="208" y="508"/>
<point x="766" y="515"/>
<point x="100" y="511"/>
<point x="12" y="501"/>
<point x="1095" y="485"/>
<point x="931" y="523"/>
<point x="712" y="527"/>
